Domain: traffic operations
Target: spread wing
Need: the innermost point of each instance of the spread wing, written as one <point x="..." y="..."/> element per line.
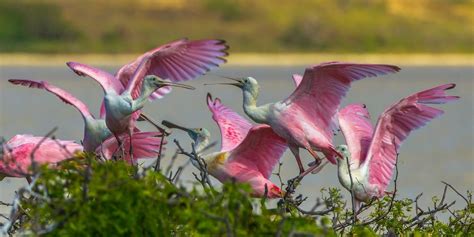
<point x="323" y="87"/>
<point x="232" y="126"/>
<point x="145" y="145"/>
<point x="106" y="80"/>
<point x="62" y="94"/>
<point x="297" y="79"/>
<point x="395" y="124"/>
<point x="354" y="121"/>
<point x="180" y="60"/>
<point x="260" y="150"/>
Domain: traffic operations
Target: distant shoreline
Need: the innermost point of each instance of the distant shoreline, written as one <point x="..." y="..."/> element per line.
<point x="249" y="59"/>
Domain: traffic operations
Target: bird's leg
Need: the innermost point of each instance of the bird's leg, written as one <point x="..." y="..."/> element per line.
<point x="315" y="156"/>
<point x="119" y="147"/>
<point x="130" y="146"/>
<point x="295" y="150"/>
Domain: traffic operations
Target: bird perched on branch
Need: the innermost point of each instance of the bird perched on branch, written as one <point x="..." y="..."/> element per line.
<point x="306" y="119"/>
<point x="248" y="153"/>
<point x="372" y="155"/>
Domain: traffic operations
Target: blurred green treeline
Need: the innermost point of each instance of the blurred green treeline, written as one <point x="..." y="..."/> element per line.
<point x="341" y="26"/>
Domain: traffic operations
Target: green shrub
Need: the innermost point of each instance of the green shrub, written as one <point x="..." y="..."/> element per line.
<point x="84" y="197"/>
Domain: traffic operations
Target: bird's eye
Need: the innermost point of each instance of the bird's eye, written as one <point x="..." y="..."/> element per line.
<point x="200" y="130"/>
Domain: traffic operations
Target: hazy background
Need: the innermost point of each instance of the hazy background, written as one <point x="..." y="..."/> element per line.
<point x="406" y="26"/>
<point x="266" y="33"/>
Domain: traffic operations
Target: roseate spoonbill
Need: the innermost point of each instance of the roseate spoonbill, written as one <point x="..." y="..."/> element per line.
<point x="179" y="60"/>
<point x="248" y="154"/>
<point x="373" y="154"/>
<point x="16" y="153"/>
<point x="95" y="130"/>
<point x="306" y="118"/>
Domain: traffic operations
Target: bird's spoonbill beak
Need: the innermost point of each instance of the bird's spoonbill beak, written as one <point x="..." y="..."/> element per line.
<point x="169" y="124"/>
<point x="238" y="82"/>
<point x="168" y="83"/>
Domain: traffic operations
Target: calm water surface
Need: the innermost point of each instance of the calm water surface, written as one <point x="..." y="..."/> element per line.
<point x="443" y="150"/>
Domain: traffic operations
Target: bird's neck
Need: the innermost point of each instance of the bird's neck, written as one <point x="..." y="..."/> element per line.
<point x="200" y="145"/>
<point x="343" y="172"/>
<point x="257" y="113"/>
<point x="140" y="101"/>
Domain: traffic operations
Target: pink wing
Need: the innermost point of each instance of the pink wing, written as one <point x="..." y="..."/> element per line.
<point x="297" y="79"/>
<point x="18" y="151"/>
<point x="233" y="127"/>
<point x="63" y="95"/>
<point x="260" y="150"/>
<point x="21" y="139"/>
<point x="395" y="124"/>
<point x="323" y="87"/>
<point x="180" y="60"/>
<point x="145" y="145"/>
<point x="106" y="80"/>
<point x="354" y="121"/>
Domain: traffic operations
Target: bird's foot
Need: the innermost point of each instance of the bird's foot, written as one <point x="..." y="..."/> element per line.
<point x="316" y="163"/>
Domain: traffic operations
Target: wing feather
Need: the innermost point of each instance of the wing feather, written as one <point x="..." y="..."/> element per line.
<point x="232" y="126"/>
<point x="323" y="86"/>
<point x="393" y="127"/>
<point x="106" y="80"/>
<point x="60" y="93"/>
<point x="172" y="61"/>
<point x="260" y="150"/>
<point x="354" y="121"/>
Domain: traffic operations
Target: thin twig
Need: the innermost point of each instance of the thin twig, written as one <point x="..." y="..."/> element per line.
<point x="456" y="191"/>
<point x="354" y="214"/>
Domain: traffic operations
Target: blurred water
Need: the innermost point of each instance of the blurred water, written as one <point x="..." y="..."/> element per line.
<point x="443" y="150"/>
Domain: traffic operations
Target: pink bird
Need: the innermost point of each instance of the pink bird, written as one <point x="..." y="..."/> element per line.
<point x="96" y="133"/>
<point x="16" y="154"/>
<point x="127" y="91"/>
<point x="306" y="118"/>
<point x="248" y="154"/>
<point x="373" y="154"/>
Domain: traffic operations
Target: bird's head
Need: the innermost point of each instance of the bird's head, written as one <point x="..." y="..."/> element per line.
<point x="154" y="82"/>
<point x="199" y="135"/>
<point x="344" y="150"/>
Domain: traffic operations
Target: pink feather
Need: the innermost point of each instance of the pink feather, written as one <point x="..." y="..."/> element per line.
<point x="260" y="150"/>
<point x="145" y="145"/>
<point x="393" y="127"/>
<point x="60" y="93"/>
<point x="180" y="60"/>
<point x="233" y="127"/>
<point x="18" y="152"/>
<point x="354" y="121"/>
